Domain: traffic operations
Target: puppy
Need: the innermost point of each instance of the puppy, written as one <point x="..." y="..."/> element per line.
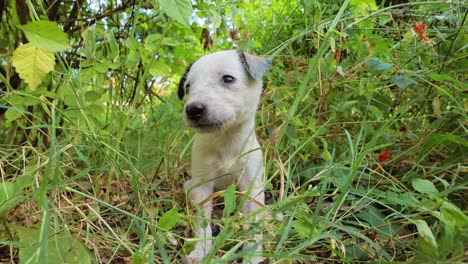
<point x="223" y="90"/>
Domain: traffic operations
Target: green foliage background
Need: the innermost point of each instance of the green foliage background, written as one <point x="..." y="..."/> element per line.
<point x="93" y="152"/>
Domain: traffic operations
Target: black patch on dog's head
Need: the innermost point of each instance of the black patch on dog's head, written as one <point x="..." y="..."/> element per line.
<point x="256" y="66"/>
<point x="181" y="92"/>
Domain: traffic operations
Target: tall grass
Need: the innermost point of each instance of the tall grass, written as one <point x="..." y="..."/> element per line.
<point x="89" y="175"/>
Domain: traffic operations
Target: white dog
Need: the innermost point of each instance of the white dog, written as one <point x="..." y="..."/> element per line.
<point x="223" y="90"/>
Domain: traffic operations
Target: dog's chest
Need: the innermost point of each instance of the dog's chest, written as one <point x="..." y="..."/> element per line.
<point x="231" y="166"/>
<point x="218" y="162"/>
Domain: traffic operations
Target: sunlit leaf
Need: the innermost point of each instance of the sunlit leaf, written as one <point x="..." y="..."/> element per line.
<point x="160" y="68"/>
<point x="215" y="18"/>
<point x="169" y="219"/>
<point x="452" y="212"/>
<point x="46" y="35"/>
<point x="132" y="44"/>
<point x="12" y="114"/>
<point x="32" y="64"/>
<point x="179" y="10"/>
<point x="427" y="241"/>
<point x="363" y="6"/>
<point x="305" y="230"/>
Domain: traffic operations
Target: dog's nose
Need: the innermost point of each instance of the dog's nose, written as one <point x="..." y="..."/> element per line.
<point x="195" y="111"/>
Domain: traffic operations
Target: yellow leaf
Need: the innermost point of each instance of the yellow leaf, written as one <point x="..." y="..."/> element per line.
<point x="32" y="64"/>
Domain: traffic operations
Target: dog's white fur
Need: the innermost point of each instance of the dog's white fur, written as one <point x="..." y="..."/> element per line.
<point x="223" y="91"/>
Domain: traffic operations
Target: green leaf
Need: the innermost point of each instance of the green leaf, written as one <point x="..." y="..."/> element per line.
<point x="375" y="111"/>
<point x="305" y="230"/>
<point x="12" y="114"/>
<point x="92" y="96"/>
<point x="436" y="139"/>
<point x="363" y="7"/>
<point x="376" y="64"/>
<point x="169" y="219"/>
<point x="62" y="247"/>
<point x="132" y="44"/>
<point x="11" y="192"/>
<point x="152" y="41"/>
<point x="229" y="200"/>
<point x="7" y="196"/>
<point x="215" y="19"/>
<point x="424" y="186"/>
<point x="160" y="68"/>
<point x="46" y="35"/>
<point x="447" y="78"/>
<point x="452" y="212"/>
<point x="427" y="241"/>
<point x="179" y="10"/>
<point x="32" y="64"/>
<point x="138" y="258"/>
<point x="372" y="216"/>
<point x="89" y="42"/>
<point x="402" y="81"/>
<point x="170" y="42"/>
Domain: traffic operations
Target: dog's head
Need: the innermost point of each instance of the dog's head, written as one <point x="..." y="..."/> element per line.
<point x="222" y="89"/>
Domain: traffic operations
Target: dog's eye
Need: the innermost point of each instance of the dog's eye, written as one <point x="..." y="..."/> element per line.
<point x="187" y="88"/>
<point x="228" y="79"/>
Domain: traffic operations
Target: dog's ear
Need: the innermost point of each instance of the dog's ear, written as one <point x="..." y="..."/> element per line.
<point x="181" y="91"/>
<point x="256" y="66"/>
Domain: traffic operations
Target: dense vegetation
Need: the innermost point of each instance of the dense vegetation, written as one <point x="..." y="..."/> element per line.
<point x="363" y="123"/>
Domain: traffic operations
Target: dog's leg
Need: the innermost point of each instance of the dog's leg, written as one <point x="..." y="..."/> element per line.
<point x="196" y="195"/>
<point x="254" y="186"/>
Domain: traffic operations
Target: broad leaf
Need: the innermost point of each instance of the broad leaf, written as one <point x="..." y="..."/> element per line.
<point x="132" y="44"/>
<point x="427" y="241"/>
<point x="179" y="10"/>
<point x="61" y="247"/>
<point x="305" y="230"/>
<point x="363" y="7"/>
<point x="169" y="219"/>
<point x="424" y="186"/>
<point x="160" y="68"/>
<point x="376" y="64"/>
<point x="372" y="216"/>
<point x="7" y="196"/>
<point x="452" y="212"/>
<point x="229" y="200"/>
<point x="12" y="114"/>
<point x="46" y="35"/>
<point x="11" y="193"/>
<point x="215" y="18"/>
<point x="402" y="81"/>
<point x="32" y="64"/>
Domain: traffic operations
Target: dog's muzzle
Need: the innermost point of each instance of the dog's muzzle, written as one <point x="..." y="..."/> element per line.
<point x="197" y="117"/>
<point x="195" y="111"/>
